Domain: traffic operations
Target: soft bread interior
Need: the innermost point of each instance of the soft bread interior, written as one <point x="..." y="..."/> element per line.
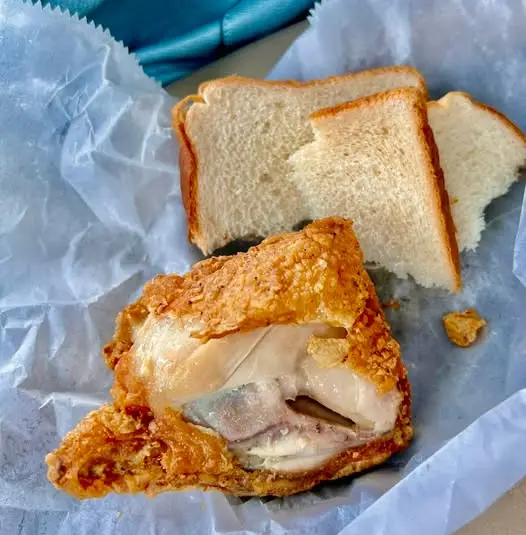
<point x="480" y="152"/>
<point x="243" y="133"/>
<point x="370" y="161"/>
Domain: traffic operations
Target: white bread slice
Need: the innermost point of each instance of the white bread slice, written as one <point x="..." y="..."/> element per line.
<point x="481" y="152"/>
<point x="374" y="161"/>
<point x="236" y="138"/>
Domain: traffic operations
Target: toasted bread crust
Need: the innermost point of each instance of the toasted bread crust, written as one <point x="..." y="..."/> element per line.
<point x="188" y="174"/>
<point x="402" y="69"/>
<point x="442" y="205"/>
<point x="187" y="169"/>
<point x="125" y="447"/>
<point x="188" y="161"/>
<point x="448" y="225"/>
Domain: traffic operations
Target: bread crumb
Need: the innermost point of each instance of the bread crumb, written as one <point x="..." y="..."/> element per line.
<point x="393" y="303"/>
<point x="462" y="327"/>
<point x="118" y="514"/>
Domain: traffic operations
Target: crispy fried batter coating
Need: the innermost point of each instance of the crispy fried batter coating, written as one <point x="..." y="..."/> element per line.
<point x="315" y="275"/>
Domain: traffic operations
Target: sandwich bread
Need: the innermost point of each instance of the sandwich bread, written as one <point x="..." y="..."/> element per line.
<point x="481" y="153"/>
<point x="262" y="157"/>
<point x="374" y="160"/>
<point x="236" y="138"/>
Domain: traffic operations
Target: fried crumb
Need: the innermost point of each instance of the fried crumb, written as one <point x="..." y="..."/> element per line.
<point x="462" y="328"/>
<point x="328" y="352"/>
<point x="393" y="303"/>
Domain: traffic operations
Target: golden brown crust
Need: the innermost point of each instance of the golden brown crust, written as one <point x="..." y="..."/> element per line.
<point x="462" y="328"/>
<point x="133" y="314"/>
<point x="128" y="451"/>
<point x="187" y="168"/>
<point x="188" y="164"/>
<point x="442" y="206"/>
<point x="448" y="225"/>
<point x="240" y="80"/>
<point x="373" y="352"/>
<point x="312" y="275"/>
<point x="290" y="278"/>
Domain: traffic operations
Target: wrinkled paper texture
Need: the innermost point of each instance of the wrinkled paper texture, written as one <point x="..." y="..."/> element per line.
<point x="90" y="209"/>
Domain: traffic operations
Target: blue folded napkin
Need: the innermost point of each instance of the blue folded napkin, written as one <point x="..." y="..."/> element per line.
<point x="172" y="38"/>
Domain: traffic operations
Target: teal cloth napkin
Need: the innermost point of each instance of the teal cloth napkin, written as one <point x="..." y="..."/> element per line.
<point x="172" y="38"/>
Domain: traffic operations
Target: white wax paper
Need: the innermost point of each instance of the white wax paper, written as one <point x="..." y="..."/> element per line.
<point x="90" y="209"/>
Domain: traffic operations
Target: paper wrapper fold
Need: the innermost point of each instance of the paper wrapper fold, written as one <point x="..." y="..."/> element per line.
<point x="90" y="209"/>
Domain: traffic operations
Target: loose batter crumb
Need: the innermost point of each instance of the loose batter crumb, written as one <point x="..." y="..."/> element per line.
<point x="462" y="328"/>
<point x="393" y="303"/>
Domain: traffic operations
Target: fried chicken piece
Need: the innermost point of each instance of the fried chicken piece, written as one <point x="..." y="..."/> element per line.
<point x="462" y="328"/>
<point x="263" y="373"/>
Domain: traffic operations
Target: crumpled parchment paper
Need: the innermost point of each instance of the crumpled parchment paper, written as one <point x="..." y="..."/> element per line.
<point x="90" y="209"/>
